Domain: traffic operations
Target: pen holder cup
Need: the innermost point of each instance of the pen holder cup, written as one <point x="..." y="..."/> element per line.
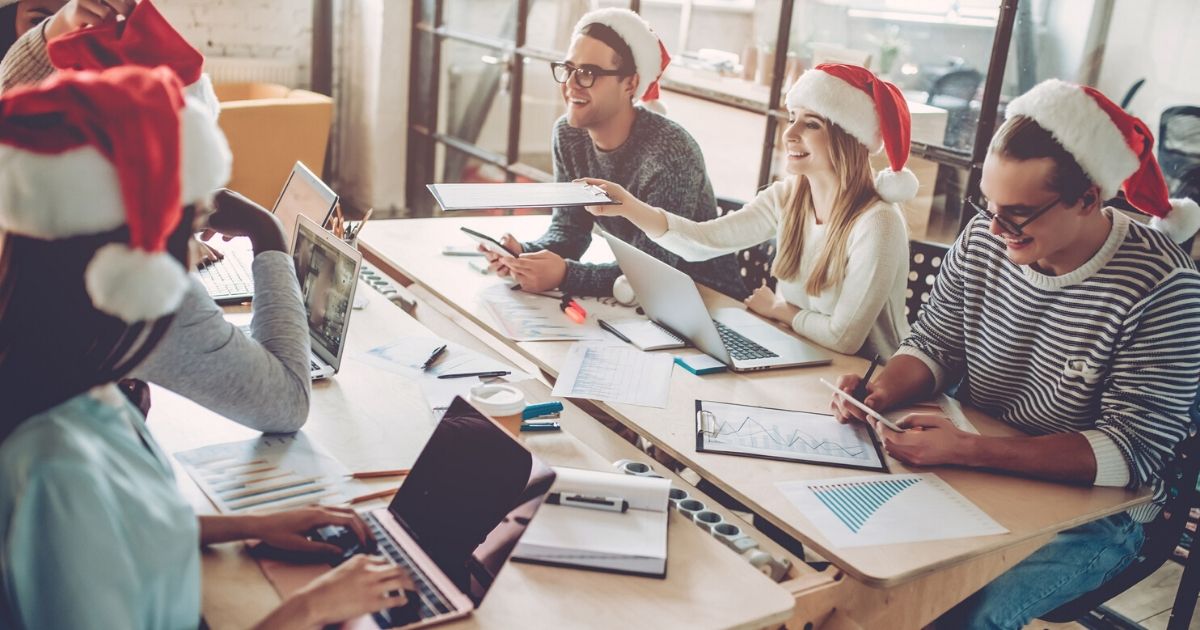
<point x="689" y="507"/>
<point x="707" y="519"/>
<point x="676" y="495"/>
<point x="637" y="469"/>
<point x="727" y="533"/>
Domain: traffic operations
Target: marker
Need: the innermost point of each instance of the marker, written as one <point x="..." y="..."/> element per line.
<point x="540" y="425"/>
<point x="572" y="499"/>
<point x="479" y="374"/>
<point x="572" y="309"/>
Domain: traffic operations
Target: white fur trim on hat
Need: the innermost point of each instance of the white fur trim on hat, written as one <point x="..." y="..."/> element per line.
<point x="1084" y="129"/>
<point x="896" y="186"/>
<point x="643" y="43"/>
<point x="202" y="91"/>
<point x="1181" y="223"/>
<point x="840" y="103"/>
<point x="133" y="285"/>
<point x="206" y="160"/>
<point x="58" y="196"/>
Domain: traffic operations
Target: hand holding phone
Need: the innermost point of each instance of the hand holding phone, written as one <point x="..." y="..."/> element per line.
<point x="875" y="415"/>
<point x="489" y="243"/>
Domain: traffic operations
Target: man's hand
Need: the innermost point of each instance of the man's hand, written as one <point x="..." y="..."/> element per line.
<point x="877" y="398"/>
<point x="286" y="530"/>
<point x="235" y="215"/>
<point x="539" y="271"/>
<point x="931" y="440"/>
<point x="78" y="14"/>
<point x="498" y="263"/>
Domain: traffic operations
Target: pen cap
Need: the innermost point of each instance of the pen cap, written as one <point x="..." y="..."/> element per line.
<point x="504" y="403"/>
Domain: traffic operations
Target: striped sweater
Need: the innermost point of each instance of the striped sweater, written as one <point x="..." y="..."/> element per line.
<point x="27" y="61"/>
<point x="1110" y="350"/>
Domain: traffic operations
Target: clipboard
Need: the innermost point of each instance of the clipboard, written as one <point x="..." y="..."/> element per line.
<point x="453" y="197"/>
<point x="786" y="435"/>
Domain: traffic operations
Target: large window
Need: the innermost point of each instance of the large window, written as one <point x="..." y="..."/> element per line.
<point x="484" y="106"/>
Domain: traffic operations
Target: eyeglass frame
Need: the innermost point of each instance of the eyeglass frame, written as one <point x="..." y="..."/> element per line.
<point x="593" y="70"/>
<point x="1016" y="229"/>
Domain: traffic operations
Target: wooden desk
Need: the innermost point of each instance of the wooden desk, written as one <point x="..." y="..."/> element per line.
<point x="369" y="418"/>
<point x="1032" y="510"/>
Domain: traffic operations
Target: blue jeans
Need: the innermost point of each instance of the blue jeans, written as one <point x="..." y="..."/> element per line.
<point x="1075" y="562"/>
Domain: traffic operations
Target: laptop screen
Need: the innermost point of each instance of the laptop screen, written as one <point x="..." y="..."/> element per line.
<point x="470" y="496"/>
<point x="304" y="194"/>
<point x="327" y="276"/>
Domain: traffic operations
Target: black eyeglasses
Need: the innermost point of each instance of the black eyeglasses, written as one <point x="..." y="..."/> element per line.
<point x="585" y="75"/>
<point x="980" y="204"/>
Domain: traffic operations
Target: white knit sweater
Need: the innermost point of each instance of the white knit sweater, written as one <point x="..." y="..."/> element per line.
<point x="862" y="315"/>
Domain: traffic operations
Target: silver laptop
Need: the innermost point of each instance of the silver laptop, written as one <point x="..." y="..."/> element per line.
<point x="230" y="281"/>
<point x="327" y="269"/>
<point x="730" y="335"/>
<point x="453" y="526"/>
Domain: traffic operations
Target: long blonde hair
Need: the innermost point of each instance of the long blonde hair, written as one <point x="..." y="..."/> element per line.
<point x="856" y="193"/>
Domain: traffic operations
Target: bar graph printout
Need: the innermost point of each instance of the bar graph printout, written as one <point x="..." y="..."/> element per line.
<point x="799" y="436"/>
<point x="888" y="509"/>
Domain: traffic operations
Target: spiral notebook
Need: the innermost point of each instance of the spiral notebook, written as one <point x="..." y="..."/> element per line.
<point x="643" y="333"/>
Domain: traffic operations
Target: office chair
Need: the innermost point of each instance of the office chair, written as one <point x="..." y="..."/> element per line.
<point x="924" y="262"/>
<point x="1179" y="149"/>
<point x="1162" y="537"/>
<point x="754" y="263"/>
<point x="954" y="92"/>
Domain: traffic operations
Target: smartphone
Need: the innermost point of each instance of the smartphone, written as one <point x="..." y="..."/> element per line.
<point x="857" y="403"/>
<point x="489" y="243"/>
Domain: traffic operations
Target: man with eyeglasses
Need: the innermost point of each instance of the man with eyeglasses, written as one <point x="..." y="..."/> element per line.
<point x="616" y="59"/>
<point x="1066" y="319"/>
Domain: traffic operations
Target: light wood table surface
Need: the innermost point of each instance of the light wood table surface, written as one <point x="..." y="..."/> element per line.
<point x="369" y="418"/>
<point x="1032" y="510"/>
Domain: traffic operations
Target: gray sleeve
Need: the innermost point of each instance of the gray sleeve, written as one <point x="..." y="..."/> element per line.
<point x="27" y="61"/>
<point x="570" y="231"/>
<point x="262" y="382"/>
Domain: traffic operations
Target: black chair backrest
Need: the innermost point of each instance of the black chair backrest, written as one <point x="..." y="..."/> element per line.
<point x="1179" y="149"/>
<point x="924" y="262"/>
<point x="754" y="264"/>
<point x="957" y="87"/>
<point x="1162" y="536"/>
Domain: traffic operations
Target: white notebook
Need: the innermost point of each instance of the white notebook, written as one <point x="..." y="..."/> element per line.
<point x="643" y="333"/>
<point x="634" y="541"/>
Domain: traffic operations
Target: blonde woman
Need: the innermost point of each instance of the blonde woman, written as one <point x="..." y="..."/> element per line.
<point x="842" y="259"/>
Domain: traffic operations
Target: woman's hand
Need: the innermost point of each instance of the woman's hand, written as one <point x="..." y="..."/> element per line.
<point x="616" y="192"/>
<point x="286" y="530"/>
<point x="78" y="14"/>
<point x="765" y="302"/>
<point x="359" y="586"/>
<point x="931" y="440"/>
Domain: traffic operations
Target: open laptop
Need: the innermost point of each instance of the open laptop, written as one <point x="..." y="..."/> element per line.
<point x="230" y="281"/>
<point x="457" y="517"/>
<point x="730" y="335"/>
<point x="327" y="269"/>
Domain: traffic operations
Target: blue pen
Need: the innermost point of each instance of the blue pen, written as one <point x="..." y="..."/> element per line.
<point x="538" y="410"/>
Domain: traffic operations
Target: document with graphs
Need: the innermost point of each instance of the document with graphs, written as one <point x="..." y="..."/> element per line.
<point x="797" y="436"/>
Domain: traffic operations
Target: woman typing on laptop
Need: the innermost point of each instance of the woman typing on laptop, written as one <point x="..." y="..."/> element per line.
<point x="93" y="531"/>
<point x="843" y="250"/>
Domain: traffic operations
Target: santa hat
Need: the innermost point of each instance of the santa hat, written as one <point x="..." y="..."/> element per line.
<point x="144" y="38"/>
<point x="872" y="110"/>
<point x="88" y="152"/>
<point x="650" y="56"/>
<point x="1113" y="147"/>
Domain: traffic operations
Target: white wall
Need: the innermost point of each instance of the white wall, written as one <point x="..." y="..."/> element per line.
<point x="262" y="29"/>
<point x="1156" y="41"/>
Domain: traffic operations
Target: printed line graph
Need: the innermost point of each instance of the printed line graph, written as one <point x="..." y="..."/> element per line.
<point x="782" y="434"/>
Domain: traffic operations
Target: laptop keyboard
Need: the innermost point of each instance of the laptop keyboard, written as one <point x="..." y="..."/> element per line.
<point x="228" y="277"/>
<point x="432" y="601"/>
<point x="740" y="347"/>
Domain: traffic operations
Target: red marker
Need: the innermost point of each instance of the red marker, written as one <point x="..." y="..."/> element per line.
<point x="573" y="310"/>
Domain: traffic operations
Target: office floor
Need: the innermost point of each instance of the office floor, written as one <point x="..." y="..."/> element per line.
<point x="1148" y="603"/>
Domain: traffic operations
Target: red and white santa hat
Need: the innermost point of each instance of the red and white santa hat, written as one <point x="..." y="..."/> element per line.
<point x="144" y="38"/>
<point x="650" y="56"/>
<point x="868" y="108"/>
<point x="1113" y="147"/>
<point x="88" y="152"/>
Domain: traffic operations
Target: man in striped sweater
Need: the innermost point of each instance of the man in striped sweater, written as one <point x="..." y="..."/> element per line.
<point x="1066" y="319"/>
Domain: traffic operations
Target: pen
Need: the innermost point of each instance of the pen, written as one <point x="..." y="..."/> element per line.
<point x="479" y="374"/>
<point x="572" y="499"/>
<point x="437" y="352"/>
<point x="540" y="425"/>
<point x="860" y="392"/>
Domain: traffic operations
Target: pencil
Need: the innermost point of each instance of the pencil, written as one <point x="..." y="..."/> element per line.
<point x="372" y="474"/>
<point x="382" y="494"/>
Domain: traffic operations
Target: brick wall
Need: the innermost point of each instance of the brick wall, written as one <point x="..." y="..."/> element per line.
<point x="262" y="29"/>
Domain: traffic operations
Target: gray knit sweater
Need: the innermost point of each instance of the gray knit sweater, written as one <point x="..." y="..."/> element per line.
<point x="660" y="164"/>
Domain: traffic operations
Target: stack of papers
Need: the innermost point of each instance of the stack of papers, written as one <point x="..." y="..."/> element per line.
<point x="597" y="370"/>
<point x="634" y="541"/>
